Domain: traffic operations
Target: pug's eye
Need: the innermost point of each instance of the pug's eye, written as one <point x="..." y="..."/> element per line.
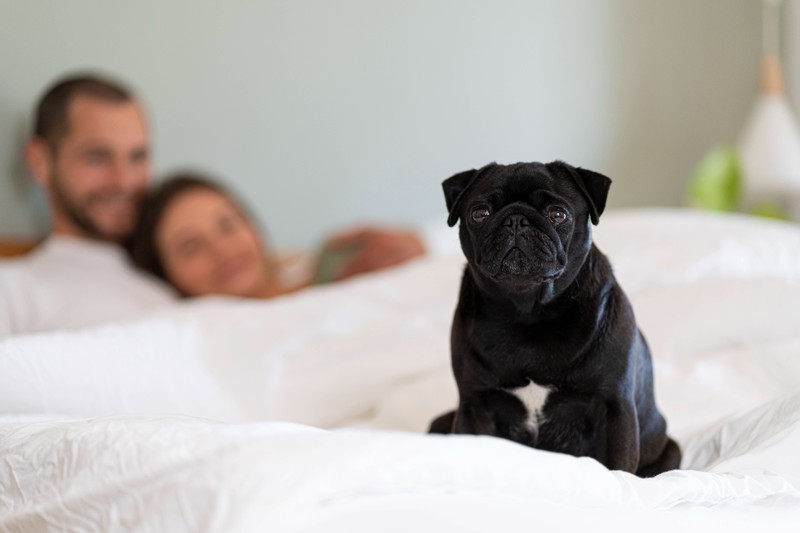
<point x="557" y="215"/>
<point x="480" y="214"/>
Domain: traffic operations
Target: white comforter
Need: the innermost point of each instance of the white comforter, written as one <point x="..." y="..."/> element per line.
<point x="172" y="422"/>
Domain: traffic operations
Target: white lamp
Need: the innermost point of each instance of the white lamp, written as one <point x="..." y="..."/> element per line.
<point x="769" y="147"/>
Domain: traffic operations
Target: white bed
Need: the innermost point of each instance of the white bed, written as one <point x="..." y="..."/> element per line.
<point x="308" y="413"/>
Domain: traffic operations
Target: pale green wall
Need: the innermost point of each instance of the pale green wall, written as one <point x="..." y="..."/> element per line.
<point x="325" y="112"/>
<point x="791" y="38"/>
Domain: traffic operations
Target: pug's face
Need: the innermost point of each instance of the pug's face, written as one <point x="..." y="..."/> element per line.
<point x="528" y="224"/>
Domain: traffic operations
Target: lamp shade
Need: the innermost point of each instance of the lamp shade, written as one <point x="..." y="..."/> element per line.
<point x="769" y="148"/>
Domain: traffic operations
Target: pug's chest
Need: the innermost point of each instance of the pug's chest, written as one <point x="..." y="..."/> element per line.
<point x="553" y="418"/>
<point x="554" y="402"/>
<point x="545" y="348"/>
<point x="532" y="399"/>
<point x="530" y="368"/>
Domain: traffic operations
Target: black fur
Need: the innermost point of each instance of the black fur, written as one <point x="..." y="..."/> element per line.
<point x="539" y="302"/>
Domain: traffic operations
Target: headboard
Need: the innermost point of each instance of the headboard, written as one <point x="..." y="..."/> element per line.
<point x="15" y="247"/>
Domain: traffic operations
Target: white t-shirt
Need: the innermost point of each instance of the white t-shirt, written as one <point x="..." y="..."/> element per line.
<point x="70" y="282"/>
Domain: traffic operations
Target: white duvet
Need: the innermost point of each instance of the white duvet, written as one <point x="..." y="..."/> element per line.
<point x="308" y="413"/>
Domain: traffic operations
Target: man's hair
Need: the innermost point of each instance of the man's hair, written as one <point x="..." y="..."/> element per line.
<point x="52" y="113"/>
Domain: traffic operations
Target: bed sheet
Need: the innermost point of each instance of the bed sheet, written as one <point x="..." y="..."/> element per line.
<point x="171" y="473"/>
<point x="363" y="366"/>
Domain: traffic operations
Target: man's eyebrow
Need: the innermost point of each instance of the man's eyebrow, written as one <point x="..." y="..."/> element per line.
<point x="94" y="149"/>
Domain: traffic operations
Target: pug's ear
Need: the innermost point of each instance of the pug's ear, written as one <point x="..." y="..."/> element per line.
<point x="455" y="188"/>
<point x="593" y="185"/>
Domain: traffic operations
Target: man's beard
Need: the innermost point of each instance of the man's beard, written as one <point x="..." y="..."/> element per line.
<point x="78" y="212"/>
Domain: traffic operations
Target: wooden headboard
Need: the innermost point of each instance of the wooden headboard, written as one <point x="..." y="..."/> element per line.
<point x="15" y="247"/>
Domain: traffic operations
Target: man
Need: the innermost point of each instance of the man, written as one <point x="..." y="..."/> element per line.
<point x="90" y="152"/>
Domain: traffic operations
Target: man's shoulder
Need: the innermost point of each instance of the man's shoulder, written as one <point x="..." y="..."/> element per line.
<point x="24" y="265"/>
<point x="18" y="274"/>
<point x="15" y="266"/>
<point x="69" y="265"/>
<point x="19" y="294"/>
<point x="67" y="282"/>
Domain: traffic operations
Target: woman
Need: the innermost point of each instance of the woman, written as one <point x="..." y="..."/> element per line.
<point x="196" y="236"/>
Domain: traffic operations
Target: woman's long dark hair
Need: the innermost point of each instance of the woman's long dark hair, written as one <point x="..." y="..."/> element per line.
<point x="142" y="246"/>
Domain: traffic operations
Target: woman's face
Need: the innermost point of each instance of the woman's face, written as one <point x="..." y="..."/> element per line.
<point x="207" y="247"/>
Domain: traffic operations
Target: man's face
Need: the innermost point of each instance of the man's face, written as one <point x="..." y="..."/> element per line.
<point x="99" y="171"/>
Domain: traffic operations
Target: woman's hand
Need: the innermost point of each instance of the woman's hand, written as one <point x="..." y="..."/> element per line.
<point x="374" y="249"/>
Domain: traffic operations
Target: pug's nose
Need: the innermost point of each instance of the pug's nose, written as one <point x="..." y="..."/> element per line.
<point x="516" y="222"/>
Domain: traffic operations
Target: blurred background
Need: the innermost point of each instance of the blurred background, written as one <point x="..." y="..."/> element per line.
<point x="321" y="114"/>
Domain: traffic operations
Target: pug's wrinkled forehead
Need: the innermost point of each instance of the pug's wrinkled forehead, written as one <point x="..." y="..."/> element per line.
<point x="520" y="182"/>
<point x="504" y="184"/>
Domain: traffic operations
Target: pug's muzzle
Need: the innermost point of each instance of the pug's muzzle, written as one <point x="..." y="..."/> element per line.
<point x="519" y="245"/>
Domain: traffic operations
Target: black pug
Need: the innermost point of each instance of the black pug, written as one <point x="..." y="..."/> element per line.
<point x="545" y="347"/>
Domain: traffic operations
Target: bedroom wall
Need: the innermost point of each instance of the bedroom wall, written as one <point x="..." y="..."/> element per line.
<point x="791" y="36"/>
<point x="324" y="113"/>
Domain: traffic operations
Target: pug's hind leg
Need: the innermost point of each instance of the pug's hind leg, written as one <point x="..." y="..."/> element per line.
<point x="443" y="424"/>
<point x="670" y="459"/>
